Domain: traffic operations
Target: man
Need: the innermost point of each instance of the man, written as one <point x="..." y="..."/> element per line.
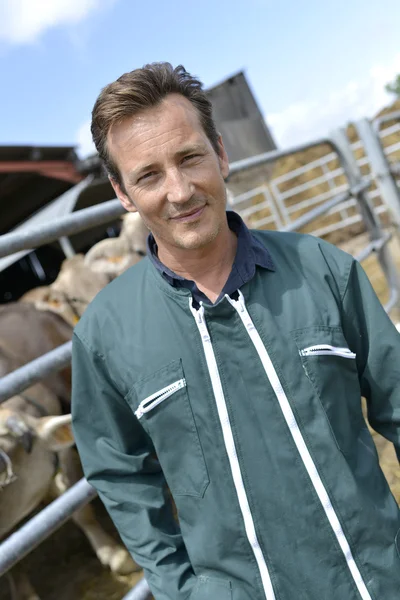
<point x="226" y="369"/>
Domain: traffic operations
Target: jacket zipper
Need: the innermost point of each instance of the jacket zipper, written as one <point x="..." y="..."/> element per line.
<point x="305" y="455"/>
<point x="155" y="399"/>
<point x="326" y="350"/>
<point x="231" y="450"/>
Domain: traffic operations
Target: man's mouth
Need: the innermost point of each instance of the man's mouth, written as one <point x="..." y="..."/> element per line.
<point x="190" y="215"/>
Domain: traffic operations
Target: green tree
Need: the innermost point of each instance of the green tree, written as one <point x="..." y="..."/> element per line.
<point x="394" y="87"/>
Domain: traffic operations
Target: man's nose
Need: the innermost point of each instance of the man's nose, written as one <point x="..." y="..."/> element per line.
<point x="179" y="187"/>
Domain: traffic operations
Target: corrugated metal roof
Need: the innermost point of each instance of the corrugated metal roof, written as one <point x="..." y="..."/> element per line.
<point x="11" y="153"/>
<point x="32" y="176"/>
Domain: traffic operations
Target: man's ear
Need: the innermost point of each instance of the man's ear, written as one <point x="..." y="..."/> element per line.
<point x="122" y="196"/>
<point x="223" y="158"/>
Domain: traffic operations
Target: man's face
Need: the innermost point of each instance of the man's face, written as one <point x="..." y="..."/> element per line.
<point x="171" y="174"/>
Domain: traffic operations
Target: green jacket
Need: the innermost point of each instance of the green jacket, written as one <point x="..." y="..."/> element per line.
<point x="249" y="412"/>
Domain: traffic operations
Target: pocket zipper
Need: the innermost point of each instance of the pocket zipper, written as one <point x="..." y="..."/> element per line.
<point x="326" y="349"/>
<point x="154" y="400"/>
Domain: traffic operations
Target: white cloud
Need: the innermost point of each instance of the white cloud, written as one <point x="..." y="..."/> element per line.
<point x="316" y="117"/>
<point x="84" y="140"/>
<point x="24" y="21"/>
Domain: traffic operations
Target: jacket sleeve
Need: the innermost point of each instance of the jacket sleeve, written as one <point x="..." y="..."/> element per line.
<point x="376" y="341"/>
<point x="119" y="461"/>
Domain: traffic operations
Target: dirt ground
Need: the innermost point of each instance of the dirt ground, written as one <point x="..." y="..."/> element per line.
<point x="65" y="568"/>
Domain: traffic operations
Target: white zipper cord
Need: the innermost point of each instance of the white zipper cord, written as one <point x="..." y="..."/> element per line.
<point x="155" y="399"/>
<point x="231" y="450"/>
<point x="269" y="368"/>
<point x="327" y="350"/>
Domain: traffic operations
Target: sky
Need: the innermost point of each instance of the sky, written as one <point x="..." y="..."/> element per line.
<point x="312" y="65"/>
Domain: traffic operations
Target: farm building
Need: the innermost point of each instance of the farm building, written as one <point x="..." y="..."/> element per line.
<point x="239" y="119"/>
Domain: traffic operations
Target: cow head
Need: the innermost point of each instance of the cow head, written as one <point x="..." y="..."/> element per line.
<point x="69" y="295"/>
<point x="113" y="256"/>
<point x="21" y="435"/>
<point x="76" y="280"/>
<point x="135" y="232"/>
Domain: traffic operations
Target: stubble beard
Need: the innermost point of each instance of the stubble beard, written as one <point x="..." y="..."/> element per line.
<point x="196" y="241"/>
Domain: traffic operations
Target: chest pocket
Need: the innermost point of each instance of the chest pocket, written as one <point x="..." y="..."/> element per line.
<point x="161" y="403"/>
<point x="330" y="366"/>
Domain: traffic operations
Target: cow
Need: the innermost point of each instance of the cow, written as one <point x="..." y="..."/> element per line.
<point x="37" y="463"/>
<point x="76" y="285"/>
<point x="27" y="450"/>
<point x="114" y="255"/>
<point x="83" y="276"/>
<point x="26" y="334"/>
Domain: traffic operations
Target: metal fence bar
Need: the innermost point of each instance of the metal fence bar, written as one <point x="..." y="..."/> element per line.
<point x="141" y="591"/>
<point x="254" y="208"/>
<point x="68" y="225"/>
<point x="320" y="210"/>
<point x="385" y="118"/>
<point x="267" y="157"/>
<point x="293" y="208"/>
<point x="264" y="221"/>
<point x="37" y="529"/>
<point x="363" y="161"/>
<point x="354" y="176"/>
<point x="319" y="162"/>
<point x="389" y="130"/>
<point x="321" y="231"/>
<point x="67" y="247"/>
<point x="332" y="187"/>
<point x="312" y="183"/>
<point x="390" y="193"/>
<point x="356" y="145"/>
<point x="248" y="195"/>
<point x="370" y="217"/>
<point x="45" y="523"/>
<point x="276" y="197"/>
<point x="392" y="148"/>
<point x="20" y="379"/>
<point x="373" y="246"/>
<point x="275" y="212"/>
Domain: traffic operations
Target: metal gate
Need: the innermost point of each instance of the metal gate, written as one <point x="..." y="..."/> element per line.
<point x="351" y="192"/>
<point x="278" y="201"/>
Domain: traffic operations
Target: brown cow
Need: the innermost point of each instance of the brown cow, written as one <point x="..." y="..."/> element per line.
<point x="76" y="285"/>
<point x="113" y="256"/>
<point x="37" y="462"/>
<point x="82" y="277"/>
<point x="25" y="334"/>
<point x="28" y="450"/>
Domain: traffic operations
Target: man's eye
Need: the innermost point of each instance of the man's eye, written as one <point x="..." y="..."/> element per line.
<point x="190" y="156"/>
<point x="146" y="176"/>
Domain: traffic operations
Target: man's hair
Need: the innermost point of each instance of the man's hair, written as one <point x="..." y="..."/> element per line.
<point x="144" y="88"/>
